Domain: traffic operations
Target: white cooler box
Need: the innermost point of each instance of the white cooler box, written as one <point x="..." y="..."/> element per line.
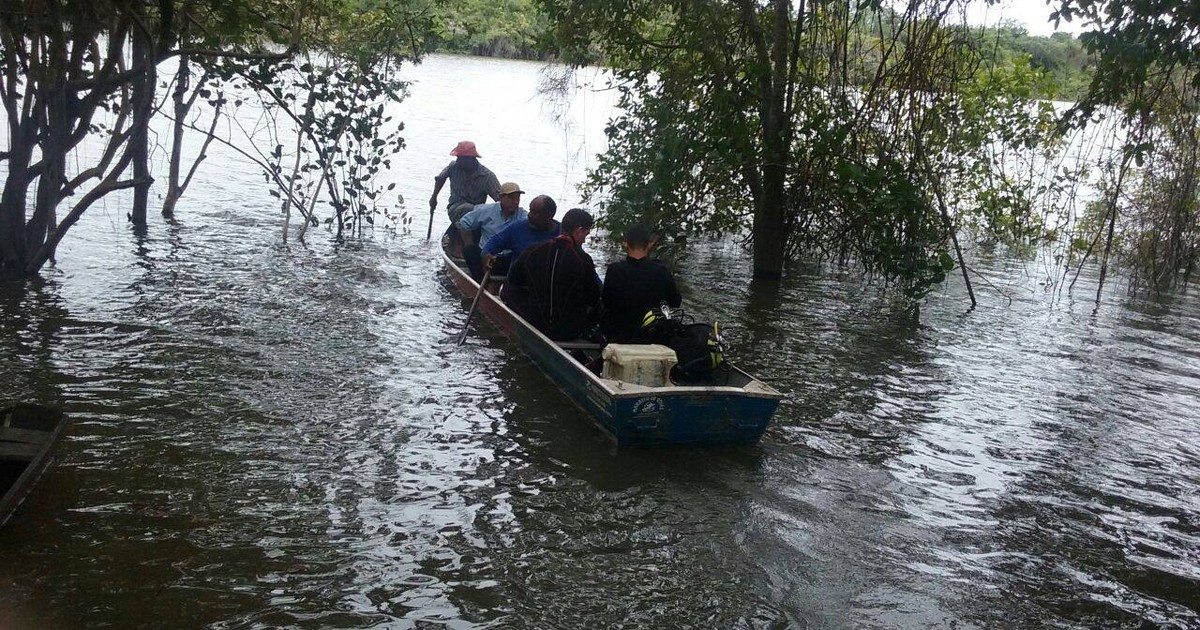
<point x="641" y="364"/>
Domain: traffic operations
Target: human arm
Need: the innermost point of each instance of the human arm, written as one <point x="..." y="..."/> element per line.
<point x="593" y="288"/>
<point x="468" y="224"/>
<point x="493" y="186"/>
<point x="500" y="242"/>
<point x="439" y="180"/>
<point x="488" y="256"/>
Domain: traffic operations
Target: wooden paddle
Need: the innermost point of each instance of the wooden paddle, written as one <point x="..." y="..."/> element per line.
<point x="482" y="287"/>
<point x="429" y="232"/>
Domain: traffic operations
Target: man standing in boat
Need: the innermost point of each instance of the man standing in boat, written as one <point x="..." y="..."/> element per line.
<point x="505" y="247"/>
<point x="487" y="220"/>
<point x="634" y="286"/>
<point x="554" y="286"/>
<point x="471" y="183"/>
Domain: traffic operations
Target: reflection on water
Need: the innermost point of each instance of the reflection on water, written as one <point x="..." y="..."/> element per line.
<point x="270" y="436"/>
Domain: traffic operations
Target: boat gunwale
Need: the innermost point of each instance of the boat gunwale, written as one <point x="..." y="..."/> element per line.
<point x="15" y="494"/>
<point x="615" y="392"/>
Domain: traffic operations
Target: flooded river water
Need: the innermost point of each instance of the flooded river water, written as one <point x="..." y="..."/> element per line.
<point x="271" y="436"/>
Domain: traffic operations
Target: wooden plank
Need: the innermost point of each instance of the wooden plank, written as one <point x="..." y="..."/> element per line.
<point x="35" y="455"/>
<point x="18" y="451"/>
<point x="31" y="436"/>
<point x="579" y="345"/>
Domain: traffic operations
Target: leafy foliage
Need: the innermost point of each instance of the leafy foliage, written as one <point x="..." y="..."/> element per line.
<point x="496" y="28"/>
<point x="1155" y="216"/>
<point x="1147" y="77"/>
<point x="325" y="65"/>
<point x="1134" y="44"/>
<point x="326" y="111"/>
<point x="1061" y="58"/>
<point x="330" y="133"/>
<point x="883" y="116"/>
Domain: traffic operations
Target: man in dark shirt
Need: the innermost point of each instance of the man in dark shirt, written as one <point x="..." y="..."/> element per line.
<point x="634" y="286"/>
<point x="553" y="284"/>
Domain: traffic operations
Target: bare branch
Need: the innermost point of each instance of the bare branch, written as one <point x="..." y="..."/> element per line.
<point x="203" y="150"/>
<point x="118" y="139"/>
<point x="109" y="184"/>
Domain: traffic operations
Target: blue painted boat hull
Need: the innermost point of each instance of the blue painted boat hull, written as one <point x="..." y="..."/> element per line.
<point x="633" y="415"/>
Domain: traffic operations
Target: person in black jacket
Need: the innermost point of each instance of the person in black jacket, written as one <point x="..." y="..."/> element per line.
<point x="634" y="286"/>
<point x="553" y="284"/>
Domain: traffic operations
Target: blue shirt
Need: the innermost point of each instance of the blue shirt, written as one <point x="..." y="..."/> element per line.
<point x="518" y="236"/>
<point x="489" y="220"/>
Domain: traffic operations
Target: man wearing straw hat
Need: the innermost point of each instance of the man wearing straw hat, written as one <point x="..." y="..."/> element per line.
<point x="471" y="183"/>
<point x="478" y="226"/>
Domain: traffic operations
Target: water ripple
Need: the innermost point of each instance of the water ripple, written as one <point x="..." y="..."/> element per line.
<point x="275" y="436"/>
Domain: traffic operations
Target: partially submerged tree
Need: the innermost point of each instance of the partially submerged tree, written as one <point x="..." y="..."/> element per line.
<point x="326" y="113"/>
<point x="822" y="129"/>
<point x="330" y="134"/>
<point x="1147" y="219"/>
<point x="77" y="71"/>
<point x="1147" y="78"/>
<point x="63" y="64"/>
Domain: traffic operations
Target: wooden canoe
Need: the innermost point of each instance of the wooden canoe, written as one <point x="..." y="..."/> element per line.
<point x="735" y="411"/>
<point x="27" y="436"/>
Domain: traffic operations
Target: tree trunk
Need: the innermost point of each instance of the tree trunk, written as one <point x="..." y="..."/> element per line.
<point x="770" y="236"/>
<point x="53" y="175"/>
<point x="12" y="201"/>
<point x="179" y="97"/>
<point x="143" y="107"/>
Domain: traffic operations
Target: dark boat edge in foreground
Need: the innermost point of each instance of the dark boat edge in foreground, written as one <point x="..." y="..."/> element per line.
<point x="734" y="412"/>
<point x="28" y="434"/>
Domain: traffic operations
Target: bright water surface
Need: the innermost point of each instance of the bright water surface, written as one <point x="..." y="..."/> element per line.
<point x="269" y="436"/>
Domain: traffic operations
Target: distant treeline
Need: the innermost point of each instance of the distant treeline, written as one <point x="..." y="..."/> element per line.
<point x="1061" y="56"/>
<point x="515" y="29"/>
<point x="519" y="29"/>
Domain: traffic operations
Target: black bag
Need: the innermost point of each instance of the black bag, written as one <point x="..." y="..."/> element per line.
<point x="698" y="350"/>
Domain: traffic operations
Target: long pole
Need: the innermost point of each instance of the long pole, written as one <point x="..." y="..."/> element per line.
<point x="429" y="232"/>
<point x="482" y="287"/>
